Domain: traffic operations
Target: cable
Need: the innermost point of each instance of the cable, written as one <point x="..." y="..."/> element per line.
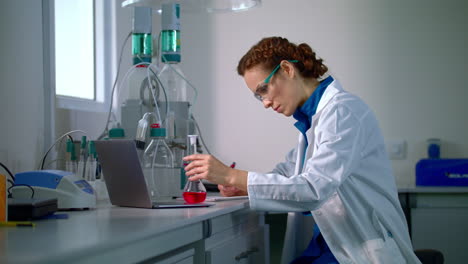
<point x="201" y="136"/>
<point x="152" y="91"/>
<point x="59" y="147"/>
<point x="7" y="170"/>
<point x="148" y="77"/>
<point x="164" y="92"/>
<point x="106" y="128"/>
<point x="50" y="148"/>
<point x="53" y="161"/>
<point x="13" y="186"/>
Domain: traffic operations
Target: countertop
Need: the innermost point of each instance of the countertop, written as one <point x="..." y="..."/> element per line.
<point x="88" y="236"/>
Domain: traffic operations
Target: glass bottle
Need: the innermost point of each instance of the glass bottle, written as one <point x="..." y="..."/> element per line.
<point x="70" y="160"/>
<point x="170" y="33"/>
<point x="90" y="172"/>
<point x="158" y="164"/>
<point x="194" y="191"/>
<point x="82" y="161"/>
<point x="173" y="79"/>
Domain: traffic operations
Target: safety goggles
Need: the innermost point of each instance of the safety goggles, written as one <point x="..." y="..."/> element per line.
<point x="262" y="88"/>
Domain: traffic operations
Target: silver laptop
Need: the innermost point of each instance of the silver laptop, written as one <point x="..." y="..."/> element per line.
<point x="124" y="177"/>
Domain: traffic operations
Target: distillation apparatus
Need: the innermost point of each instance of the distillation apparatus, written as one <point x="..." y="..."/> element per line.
<point x="157" y="91"/>
<point x="157" y="96"/>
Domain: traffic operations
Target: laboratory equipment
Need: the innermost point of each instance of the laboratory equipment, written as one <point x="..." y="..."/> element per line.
<point x="71" y="191"/>
<point x="101" y="190"/>
<point x="90" y="169"/>
<point x="220" y="6"/>
<point x="142" y="47"/>
<point x="138" y="79"/>
<point x="211" y="6"/>
<point x="170" y="33"/>
<point x="158" y="166"/>
<point x="124" y="176"/>
<point x="174" y="109"/>
<point x="433" y="148"/>
<point x="22" y="209"/>
<point x="82" y="161"/>
<point x="174" y="105"/>
<point x="442" y="172"/>
<point x="116" y="133"/>
<point x="70" y="163"/>
<point x="194" y="191"/>
<point x="174" y="82"/>
<point x="100" y="184"/>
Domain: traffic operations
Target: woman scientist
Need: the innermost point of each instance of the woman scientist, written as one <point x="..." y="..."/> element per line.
<point x="339" y="171"/>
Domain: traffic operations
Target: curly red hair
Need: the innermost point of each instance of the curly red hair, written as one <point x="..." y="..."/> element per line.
<point x="269" y="52"/>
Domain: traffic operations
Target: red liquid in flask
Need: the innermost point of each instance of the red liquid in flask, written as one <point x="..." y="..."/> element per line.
<point x="194" y="197"/>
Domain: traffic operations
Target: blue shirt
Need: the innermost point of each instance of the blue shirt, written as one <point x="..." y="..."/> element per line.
<point x="318" y="251"/>
<point x="304" y="114"/>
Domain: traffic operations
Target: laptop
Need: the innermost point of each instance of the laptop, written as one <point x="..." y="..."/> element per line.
<point x="124" y="176"/>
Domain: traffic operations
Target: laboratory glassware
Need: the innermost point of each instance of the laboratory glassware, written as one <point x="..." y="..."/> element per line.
<point x="70" y="160"/>
<point x="194" y="191"/>
<point x="172" y="79"/>
<point x="170" y="33"/>
<point x="142" y="47"/>
<point x="142" y="50"/>
<point x="158" y="164"/>
<point x="82" y="161"/>
<point x="90" y="170"/>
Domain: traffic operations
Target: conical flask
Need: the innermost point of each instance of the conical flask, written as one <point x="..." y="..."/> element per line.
<point x="194" y="191"/>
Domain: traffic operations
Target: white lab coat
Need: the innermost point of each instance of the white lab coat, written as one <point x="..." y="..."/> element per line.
<point x="345" y="182"/>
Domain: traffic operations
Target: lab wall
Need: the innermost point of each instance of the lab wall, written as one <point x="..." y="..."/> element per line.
<point x="406" y="59"/>
<point x="22" y="90"/>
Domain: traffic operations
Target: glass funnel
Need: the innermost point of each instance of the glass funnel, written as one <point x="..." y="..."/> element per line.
<point x="194" y="191"/>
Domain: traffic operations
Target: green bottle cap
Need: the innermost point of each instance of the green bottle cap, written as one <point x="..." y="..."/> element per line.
<point x="91" y="148"/>
<point x="158" y="132"/>
<point x="117" y="132"/>
<point x="73" y="154"/>
<point x="69" y="145"/>
<point x="83" y="142"/>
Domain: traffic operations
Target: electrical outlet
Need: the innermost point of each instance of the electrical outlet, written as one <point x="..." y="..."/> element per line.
<point x="396" y="149"/>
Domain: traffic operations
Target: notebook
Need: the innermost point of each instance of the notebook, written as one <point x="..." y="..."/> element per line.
<point x="124" y="176"/>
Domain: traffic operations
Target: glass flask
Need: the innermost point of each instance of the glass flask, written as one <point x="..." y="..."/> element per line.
<point x="194" y="191"/>
<point x="158" y="163"/>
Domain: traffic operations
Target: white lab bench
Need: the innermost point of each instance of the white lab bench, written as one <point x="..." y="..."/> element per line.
<point x="228" y="232"/>
<point x="438" y="219"/>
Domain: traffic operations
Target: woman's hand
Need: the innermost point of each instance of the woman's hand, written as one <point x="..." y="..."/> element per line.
<point x="207" y="167"/>
<point x="230" y="191"/>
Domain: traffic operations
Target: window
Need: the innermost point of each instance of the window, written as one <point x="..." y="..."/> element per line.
<point x="74" y="48"/>
<point x="81" y="30"/>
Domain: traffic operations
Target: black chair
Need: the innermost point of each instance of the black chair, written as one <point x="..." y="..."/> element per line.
<point x="430" y="256"/>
